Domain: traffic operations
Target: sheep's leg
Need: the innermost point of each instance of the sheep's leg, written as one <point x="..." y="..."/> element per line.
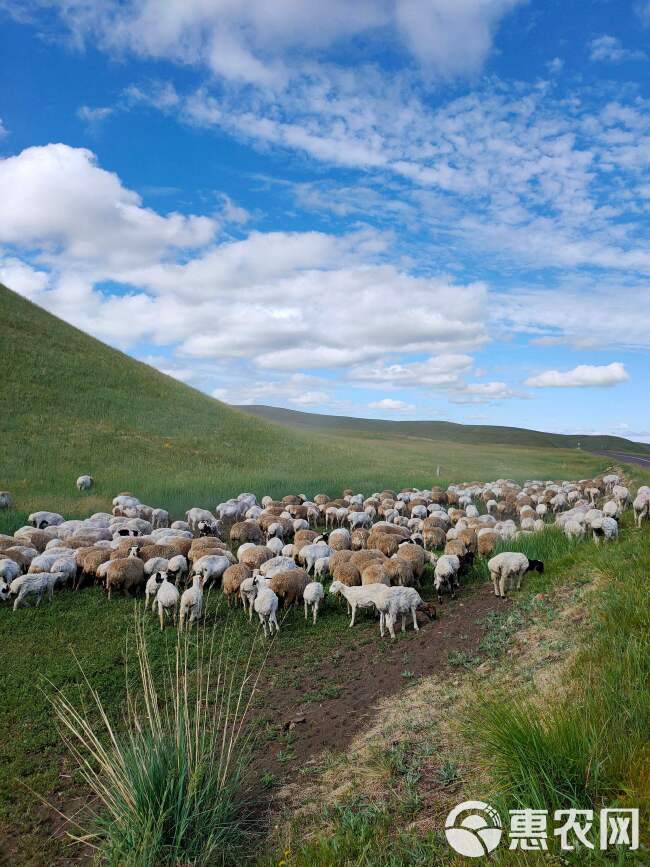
<point x="495" y="581"/>
<point x="391" y="625"/>
<point x="381" y="624"/>
<point x="354" y="611"/>
<point x="316" y="603"/>
<point x="161" y="614"/>
<point x="502" y="586"/>
<point x="403" y="622"/>
<point x="415" y="620"/>
<point x="109" y="592"/>
<point x="274" y="620"/>
<point x="306" y="609"/>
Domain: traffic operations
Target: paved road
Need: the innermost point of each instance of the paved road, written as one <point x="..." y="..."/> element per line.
<point x="627" y="459"/>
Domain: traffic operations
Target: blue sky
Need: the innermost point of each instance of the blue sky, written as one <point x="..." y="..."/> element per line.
<point x="392" y="208"/>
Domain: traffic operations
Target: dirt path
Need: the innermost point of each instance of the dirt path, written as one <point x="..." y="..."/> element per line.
<point x="358" y="678"/>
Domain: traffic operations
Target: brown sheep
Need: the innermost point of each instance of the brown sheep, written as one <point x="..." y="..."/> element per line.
<point x="265" y="521"/>
<point x="33" y="538"/>
<point x="291" y="500"/>
<point x="347" y="574"/>
<point x="455" y="515"/>
<point x="246" y="531"/>
<point x="232" y="579"/>
<point x="289" y="585"/>
<point x="387" y="543"/>
<point x="434" y="537"/>
<point x="359" y="539"/>
<point x="399" y="571"/>
<point x="337" y="558"/>
<point x="457" y="547"/>
<point x="339" y="541"/>
<point x="375" y="573"/>
<point x="147" y="552"/>
<point x="307" y="536"/>
<point x="440" y="497"/>
<point x="415" y="556"/>
<point x="321" y="499"/>
<point x="392" y="530"/>
<point x="20" y="554"/>
<point x="255" y="556"/>
<point x="486" y="542"/>
<point x="434" y="521"/>
<point x="126" y="574"/>
<point x="470" y="539"/>
<point x="88" y="562"/>
<point x="360" y="559"/>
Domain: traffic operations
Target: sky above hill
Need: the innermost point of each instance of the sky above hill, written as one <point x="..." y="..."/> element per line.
<point x="386" y="208"/>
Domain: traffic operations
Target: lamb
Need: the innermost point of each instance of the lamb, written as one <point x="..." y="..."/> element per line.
<point x="313" y="552"/>
<point x="446" y="575"/>
<point x="248" y="590"/>
<point x="359" y="597"/>
<point x="266" y="606"/>
<point x="125" y="572"/>
<point x="150" y="590"/>
<point x="85" y="483"/>
<point x="167" y="598"/>
<point x="508" y="569"/>
<point x="191" y="603"/>
<point x="322" y="567"/>
<point x="313" y="595"/>
<point x="400" y="601"/>
<point x="177" y="569"/>
<point x="641" y="506"/>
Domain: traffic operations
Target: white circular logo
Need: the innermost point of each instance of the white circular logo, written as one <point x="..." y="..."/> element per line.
<point x="477" y="833"/>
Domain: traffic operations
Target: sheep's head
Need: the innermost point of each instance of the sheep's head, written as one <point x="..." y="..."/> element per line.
<point x="133" y="551"/>
<point x="160" y="577"/>
<point x="5" y="592"/>
<point x="535" y="566"/>
<point x="336" y="587"/>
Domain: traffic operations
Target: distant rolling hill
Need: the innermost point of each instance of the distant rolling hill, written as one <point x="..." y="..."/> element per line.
<point x="69" y="405"/>
<point x="448" y="431"/>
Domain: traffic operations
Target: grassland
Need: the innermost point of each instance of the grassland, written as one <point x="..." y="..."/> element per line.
<point x="70" y="405"/>
<point x="445" y="431"/>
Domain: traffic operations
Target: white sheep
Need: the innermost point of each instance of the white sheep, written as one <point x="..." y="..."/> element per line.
<point x="508" y="569"/>
<point x="358" y="520"/>
<point x="446" y="575"/>
<point x="196" y="516"/>
<point x="167" y="598"/>
<point x="249" y="588"/>
<point x="313" y="595"/>
<point x="641" y="506"/>
<point x="5" y="500"/>
<point x="604" y="528"/>
<point x="177" y="569"/>
<point x="266" y="606"/>
<point x="34" y="585"/>
<point x="211" y="567"/>
<point x="573" y="529"/>
<point x="9" y="570"/>
<point x="191" y="603"/>
<point x="276" y="545"/>
<point x="398" y="602"/>
<point x="366" y="596"/>
<point x="84" y="483"/>
<point x="156" y="564"/>
<point x="322" y="567"/>
<point x="621" y="494"/>
<point x="150" y="591"/>
<point x="311" y="553"/>
<point x="41" y="520"/>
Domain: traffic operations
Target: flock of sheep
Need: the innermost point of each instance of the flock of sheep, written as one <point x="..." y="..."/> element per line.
<point x="374" y="549"/>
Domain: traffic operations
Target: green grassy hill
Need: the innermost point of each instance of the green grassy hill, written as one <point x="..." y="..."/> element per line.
<point x="69" y="404"/>
<point x="470" y="434"/>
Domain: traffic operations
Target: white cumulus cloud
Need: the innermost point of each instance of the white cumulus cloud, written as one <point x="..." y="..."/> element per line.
<point x="582" y="376"/>
<point x="389" y="404"/>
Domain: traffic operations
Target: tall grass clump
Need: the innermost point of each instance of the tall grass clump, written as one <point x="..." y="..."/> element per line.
<point x="166" y="781"/>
